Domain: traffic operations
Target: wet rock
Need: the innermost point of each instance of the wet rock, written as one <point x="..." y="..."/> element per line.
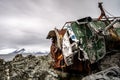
<point x="18" y="57"/>
<point x="39" y="68"/>
<point x="32" y="68"/>
<point x="2" y="68"/>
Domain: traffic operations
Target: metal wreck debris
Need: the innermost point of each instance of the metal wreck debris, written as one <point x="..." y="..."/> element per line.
<point x="112" y="73"/>
<point x="85" y="41"/>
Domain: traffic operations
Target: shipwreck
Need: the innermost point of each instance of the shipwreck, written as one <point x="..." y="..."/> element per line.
<point x="80" y="43"/>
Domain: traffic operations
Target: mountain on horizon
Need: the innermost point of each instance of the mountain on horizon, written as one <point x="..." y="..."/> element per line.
<point x="9" y="54"/>
<point x="18" y="51"/>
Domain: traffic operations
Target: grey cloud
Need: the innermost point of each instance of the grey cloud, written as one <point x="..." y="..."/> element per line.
<point x="27" y="22"/>
<point x="13" y="38"/>
<point x="21" y="38"/>
<point x="29" y="39"/>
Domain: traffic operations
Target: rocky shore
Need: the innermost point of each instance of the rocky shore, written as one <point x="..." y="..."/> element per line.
<point x="27" y="68"/>
<point x="39" y="68"/>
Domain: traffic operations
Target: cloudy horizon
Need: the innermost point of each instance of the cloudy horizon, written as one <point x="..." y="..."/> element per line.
<point x="26" y="23"/>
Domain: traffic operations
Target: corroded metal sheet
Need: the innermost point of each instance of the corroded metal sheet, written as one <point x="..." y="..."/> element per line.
<point x="66" y="49"/>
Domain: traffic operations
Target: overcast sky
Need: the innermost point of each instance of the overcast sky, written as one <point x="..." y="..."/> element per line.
<point x="25" y="23"/>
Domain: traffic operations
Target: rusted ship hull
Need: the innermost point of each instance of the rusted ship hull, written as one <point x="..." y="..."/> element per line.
<point x="83" y="42"/>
